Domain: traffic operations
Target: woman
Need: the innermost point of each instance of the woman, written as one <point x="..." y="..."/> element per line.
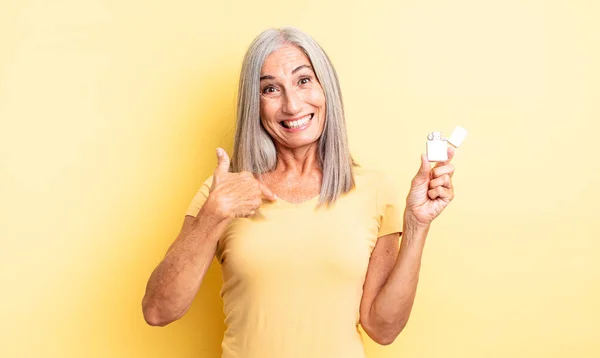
<point x="308" y="241"/>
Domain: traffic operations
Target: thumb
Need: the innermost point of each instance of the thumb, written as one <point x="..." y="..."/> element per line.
<point x="424" y="170"/>
<point x="222" y="162"/>
<point x="267" y="193"/>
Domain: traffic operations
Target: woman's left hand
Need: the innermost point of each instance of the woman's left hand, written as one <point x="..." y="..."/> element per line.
<point x="431" y="190"/>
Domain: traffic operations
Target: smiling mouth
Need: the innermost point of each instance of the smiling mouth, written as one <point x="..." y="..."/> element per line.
<point x="298" y="123"/>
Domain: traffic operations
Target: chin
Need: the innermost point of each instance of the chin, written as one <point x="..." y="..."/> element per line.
<point x="299" y="143"/>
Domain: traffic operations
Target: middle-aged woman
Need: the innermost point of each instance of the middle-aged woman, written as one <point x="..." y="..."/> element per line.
<point x="308" y="241"/>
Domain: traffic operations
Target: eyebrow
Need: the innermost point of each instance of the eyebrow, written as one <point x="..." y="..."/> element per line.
<point x="269" y="77"/>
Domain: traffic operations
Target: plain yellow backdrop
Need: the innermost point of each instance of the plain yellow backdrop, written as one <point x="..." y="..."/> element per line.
<point x="111" y="112"/>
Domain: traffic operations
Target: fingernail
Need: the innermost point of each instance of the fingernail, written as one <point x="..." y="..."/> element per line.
<point x="219" y="152"/>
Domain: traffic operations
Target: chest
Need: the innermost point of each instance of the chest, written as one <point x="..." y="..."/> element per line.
<point x="292" y="240"/>
<point x="293" y="190"/>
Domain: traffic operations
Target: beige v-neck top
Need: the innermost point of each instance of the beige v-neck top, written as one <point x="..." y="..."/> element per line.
<point x="293" y="280"/>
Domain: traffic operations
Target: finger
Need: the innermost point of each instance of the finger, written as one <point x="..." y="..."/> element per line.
<point x="222" y="165"/>
<point x="254" y="214"/>
<point x="248" y="207"/>
<point x="223" y="161"/>
<point x="442" y="170"/>
<point x="267" y="193"/>
<point x="443" y="181"/>
<point x="245" y="214"/>
<point x="441" y="193"/>
<point x="451" y="151"/>
<point x="424" y="169"/>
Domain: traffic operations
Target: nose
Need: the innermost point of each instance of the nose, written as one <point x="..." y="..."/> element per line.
<point x="292" y="102"/>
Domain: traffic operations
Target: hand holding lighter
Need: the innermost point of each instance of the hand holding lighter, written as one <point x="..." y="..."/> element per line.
<point x="437" y="147"/>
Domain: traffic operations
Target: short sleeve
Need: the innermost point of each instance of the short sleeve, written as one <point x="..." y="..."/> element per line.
<point x="199" y="198"/>
<point x="388" y="206"/>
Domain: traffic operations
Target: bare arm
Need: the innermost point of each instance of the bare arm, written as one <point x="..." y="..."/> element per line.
<point x="175" y="282"/>
<point x="391" y="284"/>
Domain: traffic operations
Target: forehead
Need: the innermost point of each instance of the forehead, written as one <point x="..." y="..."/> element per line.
<point x="284" y="60"/>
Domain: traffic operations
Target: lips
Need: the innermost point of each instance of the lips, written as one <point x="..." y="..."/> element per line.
<point x="298" y="122"/>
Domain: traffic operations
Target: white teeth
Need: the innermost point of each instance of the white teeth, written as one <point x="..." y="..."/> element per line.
<point x="298" y="123"/>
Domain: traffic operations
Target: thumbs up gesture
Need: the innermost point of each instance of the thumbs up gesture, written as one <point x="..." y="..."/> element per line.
<point x="235" y="195"/>
<point x="431" y="190"/>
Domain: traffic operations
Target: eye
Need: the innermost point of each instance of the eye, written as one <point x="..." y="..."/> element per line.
<point x="268" y="89"/>
<point x="304" y="80"/>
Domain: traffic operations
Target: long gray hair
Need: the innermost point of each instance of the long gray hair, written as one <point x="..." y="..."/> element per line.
<point x="254" y="150"/>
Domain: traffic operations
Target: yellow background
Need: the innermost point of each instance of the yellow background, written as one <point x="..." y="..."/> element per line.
<point x="111" y="112"/>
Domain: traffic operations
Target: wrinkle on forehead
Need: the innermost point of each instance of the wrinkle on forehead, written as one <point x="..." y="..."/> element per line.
<point x="283" y="61"/>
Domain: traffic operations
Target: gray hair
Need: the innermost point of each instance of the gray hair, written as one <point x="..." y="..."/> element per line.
<point x="254" y="150"/>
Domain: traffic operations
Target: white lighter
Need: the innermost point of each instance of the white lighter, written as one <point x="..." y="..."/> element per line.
<point x="437" y="147"/>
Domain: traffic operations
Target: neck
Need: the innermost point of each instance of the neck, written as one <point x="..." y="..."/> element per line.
<point x="298" y="162"/>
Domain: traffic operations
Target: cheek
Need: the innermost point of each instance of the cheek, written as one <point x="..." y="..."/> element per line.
<point x="317" y="98"/>
<point x="267" y="110"/>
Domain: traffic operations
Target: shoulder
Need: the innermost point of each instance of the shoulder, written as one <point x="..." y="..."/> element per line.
<point x="367" y="177"/>
<point x="200" y="197"/>
<point x="208" y="181"/>
<point x="204" y="188"/>
<point x="376" y="183"/>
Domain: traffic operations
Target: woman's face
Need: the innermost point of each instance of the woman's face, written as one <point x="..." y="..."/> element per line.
<point x="292" y="102"/>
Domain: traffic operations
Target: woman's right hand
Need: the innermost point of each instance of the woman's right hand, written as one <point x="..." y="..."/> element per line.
<point x="235" y="195"/>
